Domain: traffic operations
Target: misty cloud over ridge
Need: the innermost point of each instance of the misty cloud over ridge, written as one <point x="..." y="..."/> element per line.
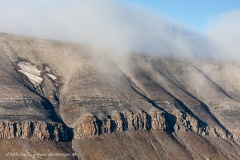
<point x="224" y="30"/>
<point x="105" y="24"/>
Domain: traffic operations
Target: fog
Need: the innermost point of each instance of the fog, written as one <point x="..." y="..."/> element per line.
<point x="224" y="31"/>
<point x="113" y="25"/>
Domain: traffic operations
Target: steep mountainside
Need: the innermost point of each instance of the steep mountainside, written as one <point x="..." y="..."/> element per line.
<point x="88" y="103"/>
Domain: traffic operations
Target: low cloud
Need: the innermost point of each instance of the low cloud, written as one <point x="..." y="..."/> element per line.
<point x="224" y="31"/>
<point x="104" y="24"/>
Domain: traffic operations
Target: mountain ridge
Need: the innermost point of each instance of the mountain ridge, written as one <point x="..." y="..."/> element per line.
<point x="93" y="96"/>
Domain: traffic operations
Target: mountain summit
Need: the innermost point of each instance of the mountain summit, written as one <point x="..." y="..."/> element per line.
<point x="72" y="101"/>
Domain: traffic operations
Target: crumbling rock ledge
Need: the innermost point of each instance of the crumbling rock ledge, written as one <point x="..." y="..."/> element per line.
<point x="236" y="135"/>
<point x="178" y="121"/>
<point x="34" y="130"/>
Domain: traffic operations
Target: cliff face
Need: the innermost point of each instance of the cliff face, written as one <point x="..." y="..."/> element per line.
<point x="92" y="126"/>
<point x="34" y="130"/>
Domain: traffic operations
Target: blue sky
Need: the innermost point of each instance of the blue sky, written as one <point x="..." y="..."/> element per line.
<point x="192" y="13"/>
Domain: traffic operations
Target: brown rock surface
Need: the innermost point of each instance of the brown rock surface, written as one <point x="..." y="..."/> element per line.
<point x="102" y="107"/>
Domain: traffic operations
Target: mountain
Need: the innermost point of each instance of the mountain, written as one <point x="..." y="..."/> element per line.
<point x="70" y="101"/>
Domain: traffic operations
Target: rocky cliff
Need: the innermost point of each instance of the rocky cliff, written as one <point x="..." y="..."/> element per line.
<point x="34" y="130"/>
<point x="91" y="125"/>
<point x="93" y="104"/>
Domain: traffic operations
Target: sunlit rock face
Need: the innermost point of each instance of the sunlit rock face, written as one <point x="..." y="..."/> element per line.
<point x="112" y="106"/>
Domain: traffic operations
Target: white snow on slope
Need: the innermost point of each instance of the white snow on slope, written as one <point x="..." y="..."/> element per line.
<point x="52" y="76"/>
<point x="31" y="71"/>
<point x="28" y="67"/>
<point x="33" y="78"/>
<point x="47" y="69"/>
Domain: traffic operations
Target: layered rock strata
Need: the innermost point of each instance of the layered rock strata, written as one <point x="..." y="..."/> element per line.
<point x="34" y="130"/>
<point x="91" y="125"/>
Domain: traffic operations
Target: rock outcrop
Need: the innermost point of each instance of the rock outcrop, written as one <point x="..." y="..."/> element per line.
<point x="34" y="130"/>
<point x="91" y="125"/>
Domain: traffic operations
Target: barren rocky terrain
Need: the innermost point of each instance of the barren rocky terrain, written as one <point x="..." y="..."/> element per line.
<point x="72" y="101"/>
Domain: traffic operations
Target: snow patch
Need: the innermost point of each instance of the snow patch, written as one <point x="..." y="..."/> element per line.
<point x="28" y="67"/>
<point x="47" y="69"/>
<point x="33" y="78"/>
<point x="52" y="76"/>
<point x="31" y="71"/>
